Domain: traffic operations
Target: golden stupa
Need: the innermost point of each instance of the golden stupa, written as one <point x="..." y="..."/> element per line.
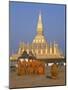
<point x="39" y="46"/>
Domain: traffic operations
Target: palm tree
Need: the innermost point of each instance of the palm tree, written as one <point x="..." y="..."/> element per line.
<point x="25" y="55"/>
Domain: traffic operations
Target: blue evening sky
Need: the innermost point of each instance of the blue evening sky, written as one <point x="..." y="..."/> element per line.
<point x="23" y="23"/>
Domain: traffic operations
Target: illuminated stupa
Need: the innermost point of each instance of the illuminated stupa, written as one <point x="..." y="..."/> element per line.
<point x="39" y="46"/>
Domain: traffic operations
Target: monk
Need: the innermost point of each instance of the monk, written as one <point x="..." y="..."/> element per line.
<point x="21" y="67"/>
<point x="54" y="71"/>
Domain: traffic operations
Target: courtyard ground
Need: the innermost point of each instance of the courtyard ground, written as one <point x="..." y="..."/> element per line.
<point x="36" y="80"/>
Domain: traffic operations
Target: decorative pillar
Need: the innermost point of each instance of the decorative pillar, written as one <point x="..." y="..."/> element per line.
<point x="41" y="51"/>
<point x="36" y="51"/>
<point x="20" y="48"/>
<point x="55" y="52"/>
<point x="27" y="50"/>
<point x="50" y="48"/>
<point x="46" y="50"/>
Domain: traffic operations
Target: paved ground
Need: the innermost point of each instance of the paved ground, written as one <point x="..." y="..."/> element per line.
<point x="36" y="80"/>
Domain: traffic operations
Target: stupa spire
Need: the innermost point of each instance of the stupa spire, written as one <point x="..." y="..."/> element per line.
<point x="40" y="25"/>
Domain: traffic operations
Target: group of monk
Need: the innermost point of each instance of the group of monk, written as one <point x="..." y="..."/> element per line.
<point x="35" y="67"/>
<point x="30" y="67"/>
